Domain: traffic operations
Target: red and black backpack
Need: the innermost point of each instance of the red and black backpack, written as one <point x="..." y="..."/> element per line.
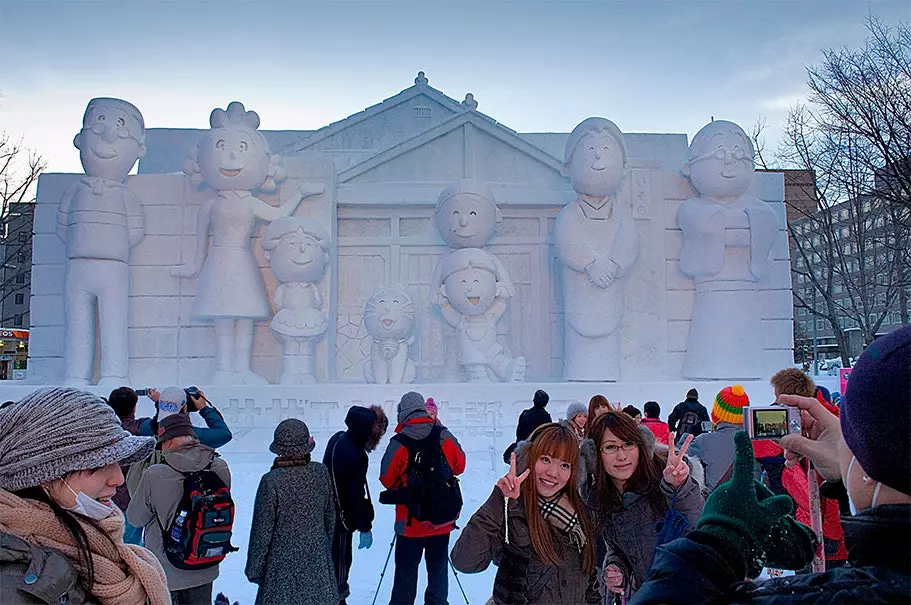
<point x="199" y="536"/>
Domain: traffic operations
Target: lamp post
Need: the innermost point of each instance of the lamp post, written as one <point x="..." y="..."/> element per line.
<point x="815" y="320"/>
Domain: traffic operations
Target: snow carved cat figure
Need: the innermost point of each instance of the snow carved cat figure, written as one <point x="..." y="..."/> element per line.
<point x="389" y="319"/>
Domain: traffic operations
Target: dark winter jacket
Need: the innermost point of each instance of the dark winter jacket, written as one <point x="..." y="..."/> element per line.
<point x="394" y="472"/>
<point x="346" y="460"/>
<point x="521" y="576"/>
<point x="290" y="549"/>
<point x="215" y="434"/>
<point x="154" y="505"/>
<point x="132" y="425"/>
<point x="529" y="420"/>
<point x="695" y="569"/>
<point x="677" y="414"/>
<point x="55" y="581"/>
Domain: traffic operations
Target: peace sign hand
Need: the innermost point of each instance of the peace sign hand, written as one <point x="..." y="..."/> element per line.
<point x="677" y="470"/>
<point x="509" y="483"/>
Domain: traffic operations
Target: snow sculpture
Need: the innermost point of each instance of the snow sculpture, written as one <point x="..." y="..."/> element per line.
<point x="466" y="216"/>
<point x="100" y="219"/>
<point x="389" y="319"/>
<point x="233" y="158"/>
<point x="472" y="302"/>
<point x="297" y="250"/>
<point x="727" y="238"/>
<point x="598" y="243"/>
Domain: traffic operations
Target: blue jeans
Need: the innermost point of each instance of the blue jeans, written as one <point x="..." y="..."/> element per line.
<point x="132" y="534"/>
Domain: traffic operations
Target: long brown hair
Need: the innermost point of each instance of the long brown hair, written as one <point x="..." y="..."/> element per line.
<point x="555" y="441"/>
<point x="598" y="401"/>
<point x="646" y="479"/>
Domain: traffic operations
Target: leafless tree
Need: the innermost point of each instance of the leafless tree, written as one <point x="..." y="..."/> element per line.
<point x="19" y="171"/>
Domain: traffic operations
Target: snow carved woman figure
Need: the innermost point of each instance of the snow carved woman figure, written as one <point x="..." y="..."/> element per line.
<point x="727" y="238"/>
<point x="233" y="158"/>
<point x="598" y="243"/>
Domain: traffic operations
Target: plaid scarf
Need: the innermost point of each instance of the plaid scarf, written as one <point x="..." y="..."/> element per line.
<point x="564" y="520"/>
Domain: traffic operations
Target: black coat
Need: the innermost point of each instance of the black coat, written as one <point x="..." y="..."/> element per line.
<point x="346" y="459"/>
<point x="689" y="405"/>
<point x="694" y="570"/>
<point x="529" y="420"/>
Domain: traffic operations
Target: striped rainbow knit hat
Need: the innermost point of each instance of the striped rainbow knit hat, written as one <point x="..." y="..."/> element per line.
<point x="729" y="404"/>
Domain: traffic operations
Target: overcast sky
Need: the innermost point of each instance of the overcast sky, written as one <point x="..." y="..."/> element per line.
<point x="533" y="66"/>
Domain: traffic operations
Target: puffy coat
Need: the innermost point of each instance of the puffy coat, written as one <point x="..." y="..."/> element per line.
<point x="521" y="576"/>
<point x="658" y="428"/>
<point x="694" y="569"/>
<point x="716" y="450"/>
<point x="346" y="459"/>
<point x="36" y="575"/>
<point x="290" y="549"/>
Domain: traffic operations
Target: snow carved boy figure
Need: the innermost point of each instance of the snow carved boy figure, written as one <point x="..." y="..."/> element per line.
<point x="472" y="303"/>
<point x="598" y="243"/>
<point x="100" y="219"/>
<point x="297" y="250"/>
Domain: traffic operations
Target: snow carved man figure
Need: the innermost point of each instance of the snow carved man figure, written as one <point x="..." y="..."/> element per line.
<point x="99" y="219"/>
<point x="598" y="243"/>
<point x="727" y="238"/>
<point x="466" y="216"/>
<point x="297" y="250"/>
<point x="389" y="319"/>
<point x="234" y="159"/>
<point x="472" y="303"/>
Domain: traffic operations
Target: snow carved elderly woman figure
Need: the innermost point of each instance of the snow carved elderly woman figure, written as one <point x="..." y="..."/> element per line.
<point x="297" y="250"/>
<point x="727" y="238"/>
<point x="233" y="158"/>
<point x="597" y="242"/>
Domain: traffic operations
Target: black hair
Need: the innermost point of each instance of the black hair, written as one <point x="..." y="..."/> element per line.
<point x="632" y="410"/>
<point x="652" y="409"/>
<point x="124" y="401"/>
<point x="72" y="525"/>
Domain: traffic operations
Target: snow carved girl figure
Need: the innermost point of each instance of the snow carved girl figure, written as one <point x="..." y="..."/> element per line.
<point x="298" y="251"/>
<point x="727" y="238"/>
<point x="233" y="158"/>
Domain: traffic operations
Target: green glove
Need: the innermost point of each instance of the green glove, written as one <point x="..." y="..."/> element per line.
<point x="738" y="523"/>
<point x="790" y="544"/>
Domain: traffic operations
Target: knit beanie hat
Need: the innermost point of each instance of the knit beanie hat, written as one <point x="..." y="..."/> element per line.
<point x="170" y="401"/>
<point x="55" y="431"/>
<point x="574" y="409"/>
<point x="173" y="426"/>
<point x="292" y="438"/>
<point x="431" y="405"/>
<point x="876" y="410"/>
<point x="541" y="398"/>
<point x="692" y="394"/>
<point x="410" y="404"/>
<point x="729" y="404"/>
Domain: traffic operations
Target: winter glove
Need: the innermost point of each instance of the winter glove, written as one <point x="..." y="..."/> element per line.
<point x="734" y="519"/>
<point x="790" y="544"/>
<point x="366" y="540"/>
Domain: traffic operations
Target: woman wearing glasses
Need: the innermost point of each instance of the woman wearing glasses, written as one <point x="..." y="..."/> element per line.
<point x="633" y="489"/>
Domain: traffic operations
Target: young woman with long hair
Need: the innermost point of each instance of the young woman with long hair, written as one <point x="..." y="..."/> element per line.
<point x="633" y="489"/>
<point x="535" y="526"/>
<point x="597" y="405"/>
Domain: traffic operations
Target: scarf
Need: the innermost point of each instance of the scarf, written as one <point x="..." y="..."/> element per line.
<point x="125" y="574"/>
<point x="291" y="461"/>
<point x="562" y="519"/>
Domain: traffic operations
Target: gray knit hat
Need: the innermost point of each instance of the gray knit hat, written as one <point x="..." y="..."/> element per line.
<point x="410" y="404"/>
<point x="52" y="432"/>
<point x="292" y="438"/>
<point x="574" y="409"/>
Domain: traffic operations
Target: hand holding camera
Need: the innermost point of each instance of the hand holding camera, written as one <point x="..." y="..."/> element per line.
<point x="196" y="399"/>
<point x="818" y="441"/>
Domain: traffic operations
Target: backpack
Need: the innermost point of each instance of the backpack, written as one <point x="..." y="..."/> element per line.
<point x="199" y="536"/>
<point x="689" y="424"/>
<point x="433" y="493"/>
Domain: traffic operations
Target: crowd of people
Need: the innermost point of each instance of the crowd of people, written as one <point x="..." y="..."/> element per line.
<point x="604" y="505"/>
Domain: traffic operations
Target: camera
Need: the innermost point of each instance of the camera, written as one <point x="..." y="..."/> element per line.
<point x="771" y="422"/>
<point x="192" y="391"/>
<point x="142" y="392"/>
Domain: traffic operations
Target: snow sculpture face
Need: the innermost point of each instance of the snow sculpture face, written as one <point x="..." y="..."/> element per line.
<point x="471" y="290"/>
<point x="389" y="314"/>
<point x="720" y="160"/>
<point x="595" y="158"/>
<point x="466" y="214"/>
<point x="297" y="249"/>
<point x="233" y="154"/>
<point x="112" y="138"/>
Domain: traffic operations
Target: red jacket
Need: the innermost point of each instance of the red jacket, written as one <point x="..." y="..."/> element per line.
<point x="660" y="429"/>
<point x="794" y="480"/>
<point x="393" y="473"/>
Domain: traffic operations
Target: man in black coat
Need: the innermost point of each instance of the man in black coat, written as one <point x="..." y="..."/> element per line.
<point x="533" y="417"/>
<point x="346" y="459"/>
<point x="687" y="417"/>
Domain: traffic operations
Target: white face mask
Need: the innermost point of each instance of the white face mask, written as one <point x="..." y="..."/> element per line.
<point x="88" y="507"/>
<point x="850" y="501"/>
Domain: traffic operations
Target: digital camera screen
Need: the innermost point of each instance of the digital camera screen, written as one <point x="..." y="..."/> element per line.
<point x="770" y="423"/>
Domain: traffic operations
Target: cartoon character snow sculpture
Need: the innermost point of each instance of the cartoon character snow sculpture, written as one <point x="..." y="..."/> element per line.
<point x="389" y="319"/>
